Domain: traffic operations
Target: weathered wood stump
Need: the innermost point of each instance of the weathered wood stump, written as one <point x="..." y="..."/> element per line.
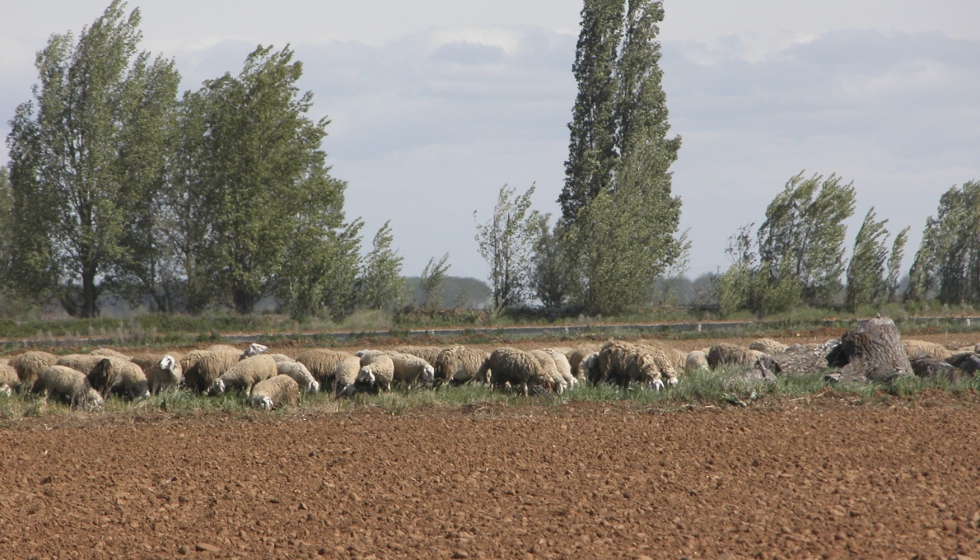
<point x="797" y="360"/>
<point x="929" y="367"/>
<point x="873" y="352"/>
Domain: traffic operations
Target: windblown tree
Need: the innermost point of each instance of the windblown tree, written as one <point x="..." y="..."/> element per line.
<point x="619" y="218"/>
<point x="431" y="282"/>
<point x="867" y="282"/>
<point x="506" y="242"/>
<point x="86" y="161"/>
<point x="254" y="173"/>
<point x="948" y="259"/>
<point x="381" y="284"/>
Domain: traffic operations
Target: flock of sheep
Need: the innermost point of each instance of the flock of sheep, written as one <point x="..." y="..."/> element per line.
<point x="270" y="380"/>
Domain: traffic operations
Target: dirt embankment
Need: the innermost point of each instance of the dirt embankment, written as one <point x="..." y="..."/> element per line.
<point x="578" y="481"/>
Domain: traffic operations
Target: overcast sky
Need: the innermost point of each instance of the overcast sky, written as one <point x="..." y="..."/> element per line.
<point x="435" y="104"/>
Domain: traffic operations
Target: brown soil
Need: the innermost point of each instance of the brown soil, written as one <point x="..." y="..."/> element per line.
<point x="805" y="478"/>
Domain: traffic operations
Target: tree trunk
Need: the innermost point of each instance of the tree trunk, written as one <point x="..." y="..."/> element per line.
<point x="873" y="352"/>
<point x="90" y="294"/>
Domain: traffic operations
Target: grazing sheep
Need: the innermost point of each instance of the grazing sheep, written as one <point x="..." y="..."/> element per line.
<point x="69" y="384"/>
<point x="410" y="369"/>
<point x="519" y="369"/>
<point x="696" y="361"/>
<point x="564" y="367"/>
<point x="275" y="392"/>
<point x="8" y="379"/>
<point x="345" y="376"/>
<point x="917" y="348"/>
<point x="224" y="348"/>
<point x="623" y="363"/>
<point x="768" y="346"/>
<point x="377" y="371"/>
<point x="298" y="373"/>
<point x="730" y="354"/>
<point x="108" y="353"/>
<point x="280" y="358"/>
<point x="550" y="370"/>
<point x="245" y="374"/>
<point x="84" y="363"/>
<point x="427" y="353"/>
<point x="121" y="375"/>
<point x="323" y="363"/>
<point x="209" y="367"/>
<point x="677" y="359"/>
<point x="459" y="364"/>
<point x="577" y="359"/>
<point x="29" y="364"/>
<point x="162" y="372"/>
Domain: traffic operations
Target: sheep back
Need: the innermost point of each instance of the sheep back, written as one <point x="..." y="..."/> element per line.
<point x="696" y="361"/>
<point x="108" y="353"/>
<point x="409" y="368"/>
<point x="323" y="363"/>
<point x="29" y="364"/>
<point x="427" y="353"/>
<point x="298" y="373"/>
<point x="459" y="363"/>
<point x="377" y="370"/>
<point x="730" y="354"/>
<point x="209" y="367"/>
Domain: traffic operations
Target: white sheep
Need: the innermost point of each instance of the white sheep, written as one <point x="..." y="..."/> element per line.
<point x="345" y="376"/>
<point x="550" y="370"/>
<point x="275" y="392"/>
<point x="377" y="371"/>
<point x="254" y="349"/>
<point x="696" y="361"/>
<point x="409" y="368"/>
<point x="29" y="364"/>
<point x="8" y="379"/>
<point x="208" y="366"/>
<point x="563" y="365"/>
<point x="161" y="372"/>
<point x="108" y="353"/>
<point x="70" y="384"/>
<point x="459" y="364"/>
<point x="323" y="363"/>
<point x="624" y="363"/>
<point x="245" y="374"/>
<point x="427" y="353"/>
<point x="298" y="373"/>
<point x="516" y="368"/>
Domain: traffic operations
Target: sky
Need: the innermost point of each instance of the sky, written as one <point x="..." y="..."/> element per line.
<point x="436" y="104"/>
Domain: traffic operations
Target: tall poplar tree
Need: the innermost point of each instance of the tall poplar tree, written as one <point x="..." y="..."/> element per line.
<point x="86" y="157"/>
<point x="866" y="279"/>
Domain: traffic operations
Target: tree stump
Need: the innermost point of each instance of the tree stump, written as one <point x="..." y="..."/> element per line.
<point x="873" y="352"/>
<point x="797" y="360"/>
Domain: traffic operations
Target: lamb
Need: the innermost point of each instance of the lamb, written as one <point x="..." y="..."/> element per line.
<point x="298" y="373"/>
<point x="162" y="372"/>
<point x="323" y="363"/>
<point x="696" y="361"/>
<point x="245" y="374"/>
<point x="768" y="346"/>
<point x="108" y="353"/>
<point x="564" y="367"/>
<point x="624" y="363"/>
<point x="209" y="367"/>
<point x="916" y="348"/>
<point x="427" y="353"/>
<point x="550" y="370"/>
<point x="409" y="368"/>
<point x="121" y="375"/>
<point x="68" y="383"/>
<point x="377" y="371"/>
<point x="510" y="366"/>
<point x="459" y="364"/>
<point x="730" y="354"/>
<point x="275" y="392"/>
<point x="345" y="376"/>
<point x="29" y="364"/>
<point x="8" y="379"/>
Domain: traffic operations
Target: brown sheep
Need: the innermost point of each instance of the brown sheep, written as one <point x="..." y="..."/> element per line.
<point x="516" y="368"/>
<point x="459" y="364"/>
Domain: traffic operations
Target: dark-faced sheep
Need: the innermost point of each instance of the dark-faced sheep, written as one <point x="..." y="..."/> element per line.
<point x="275" y="392"/>
<point x="119" y="375"/>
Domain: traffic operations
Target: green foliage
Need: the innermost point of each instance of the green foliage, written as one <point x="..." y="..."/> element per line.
<point x="895" y="263"/>
<point x="552" y="266"/>
<point x="506" y="242"/>
<point x="948" y="259"/>
<point x="866" y="280"/>
<point x="381" y="285"/>
<point x="87" y="157"/>
<point x="430" y="282"/>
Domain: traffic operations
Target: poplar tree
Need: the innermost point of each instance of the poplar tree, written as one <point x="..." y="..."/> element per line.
<point x="381" y="284"/>
<point x="867" y="283"/>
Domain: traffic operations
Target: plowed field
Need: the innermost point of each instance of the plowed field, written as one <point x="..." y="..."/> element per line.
<point x="795" y="479"/>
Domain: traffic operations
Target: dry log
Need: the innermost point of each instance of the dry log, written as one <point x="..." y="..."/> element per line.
<point x="874" y="352"/>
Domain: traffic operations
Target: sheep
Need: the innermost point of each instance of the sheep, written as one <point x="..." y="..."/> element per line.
<point x="108" y="353"/>
<point x="345" y="376"/>
<point x="84" y="363"/>
<point x="280" y="358"/>
<point x="323" y="363"/>
<point x="275" y="392"/>
<point x="121" y="375"/>
<point x="768" y="346"/>
<point x="514" y="367"/>
<point x="427" y="353"/>
<point x="624" y="363"/>
<point x="696" y="361"/>
<point x="577" y="359"/>
<point x="409" y="368"/>
<point x="8" y="379"/>
<point x="377" y="371"/>
<point x="245" y="374"/>
<point x="29" y="364"/>
<point x="677" y="358"/>
<point x="564" y="368"/>
<point x="224" y="348"/>
<point x="916" y="348"/>
<point x="210" y="366"/>
<point x="459" y="364"/>
<point x="68" y="383"/>
<point x="161" y="371"/>
<point x="550" y="370"/>
<point x="730" y="354"/>
<point x="664" y="360"/>
<point x="298" y="373"/>
<point x="254" y="349"/>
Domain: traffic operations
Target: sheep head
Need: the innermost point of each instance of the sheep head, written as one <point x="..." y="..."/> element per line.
<point x="428" y="374"/>
<point x="365" y="375"/>
<point x="167" y="363"/>
<point x="313" y="387"/>
<point x="266" y="403"/>
<point x="218" y="387"/>
<point x="254" y="349"/>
